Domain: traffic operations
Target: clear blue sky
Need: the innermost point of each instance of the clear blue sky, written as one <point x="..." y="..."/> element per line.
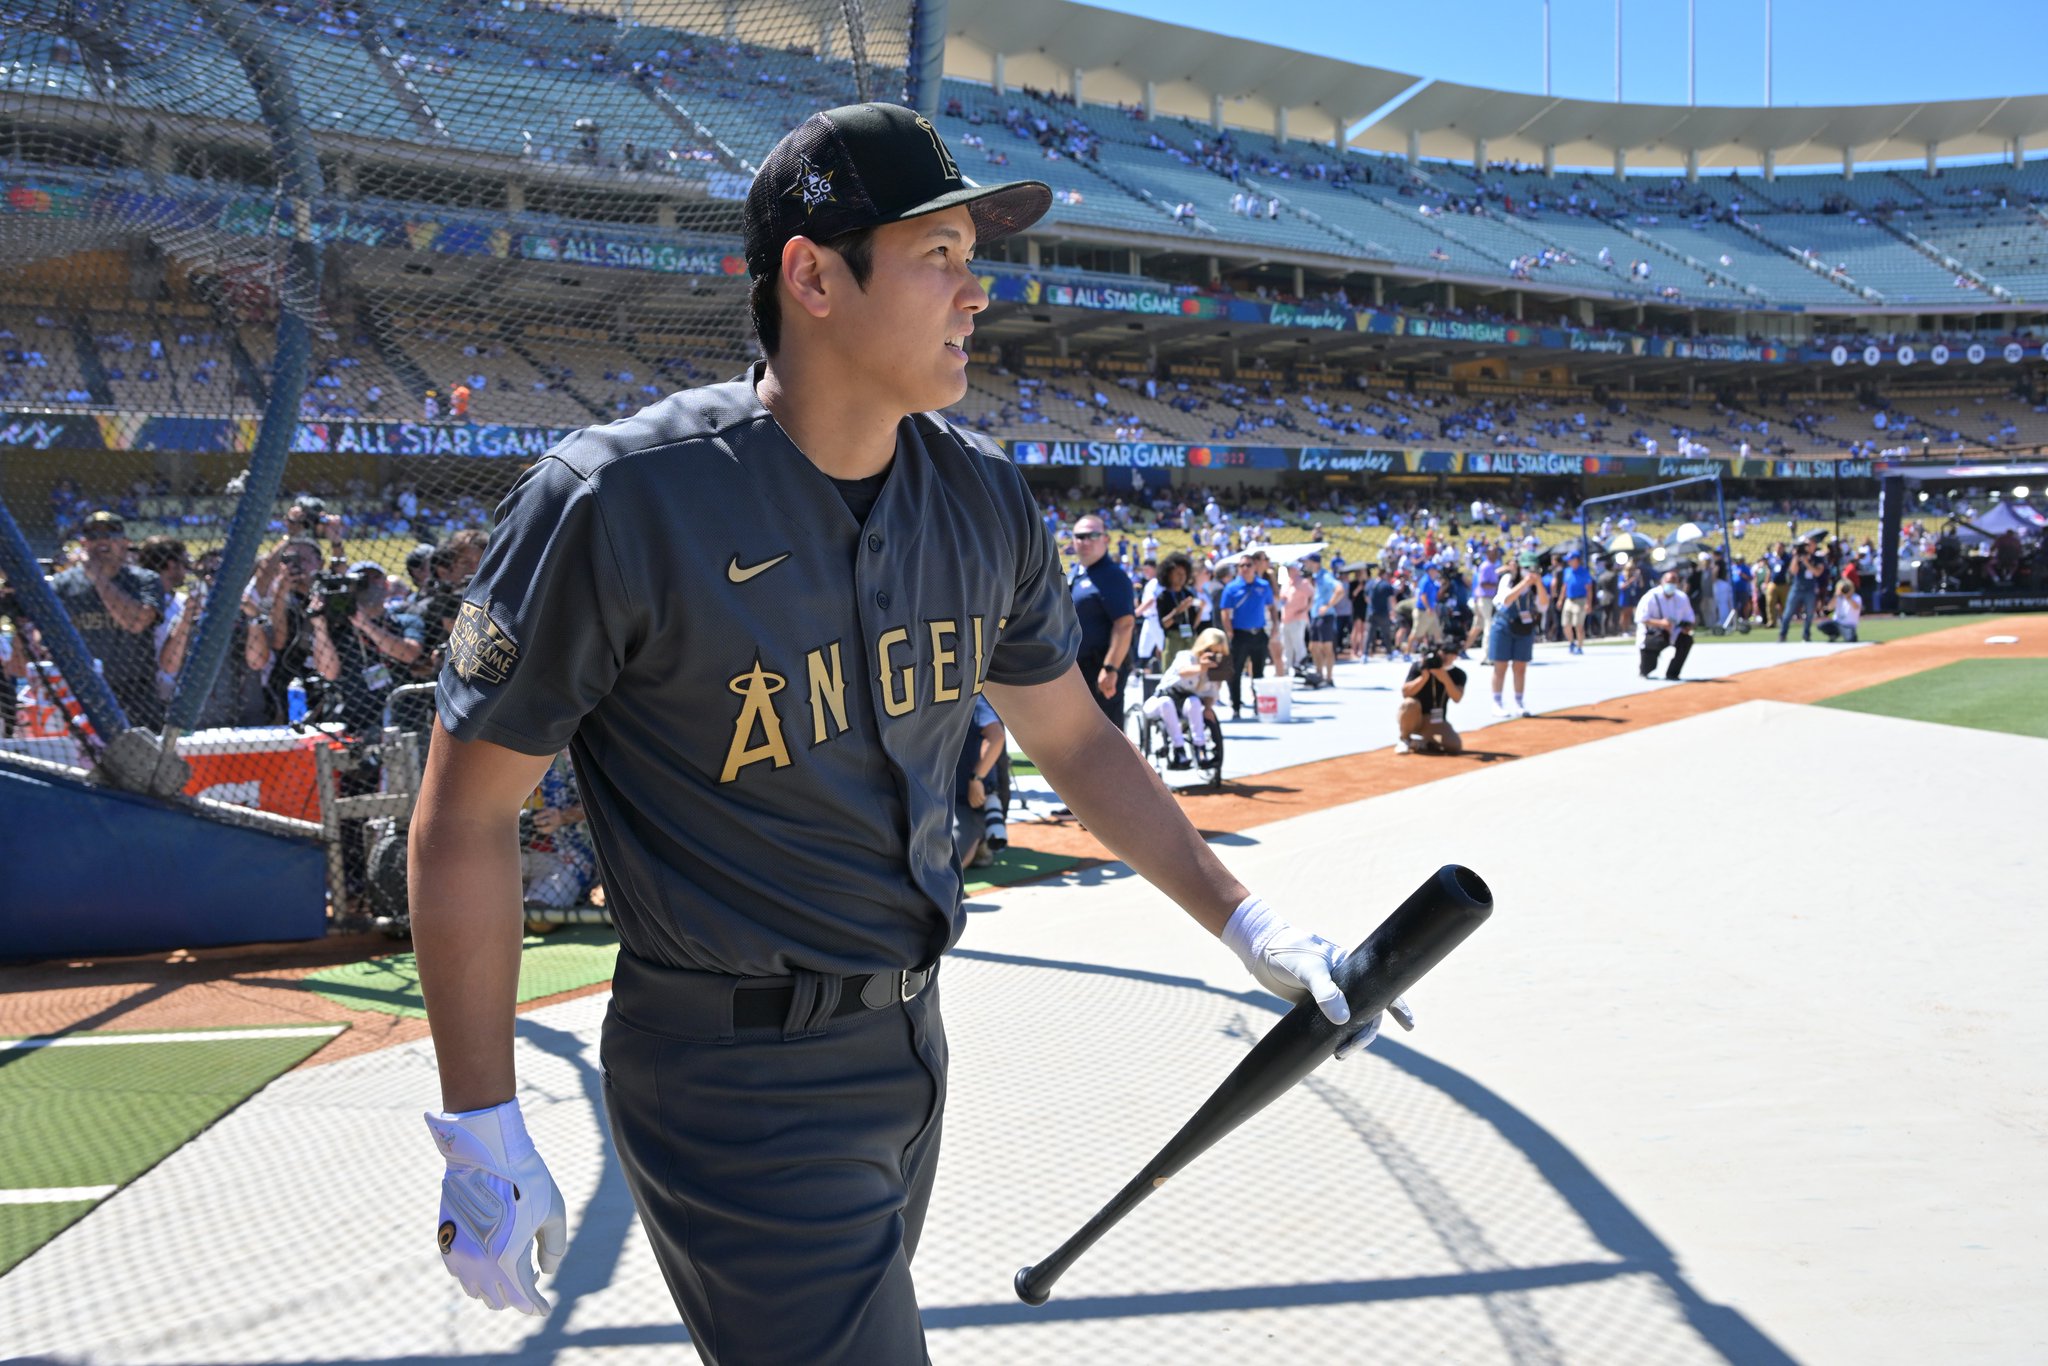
<point x="1825" y="51"/>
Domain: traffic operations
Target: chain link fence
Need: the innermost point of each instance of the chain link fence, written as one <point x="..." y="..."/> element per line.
<point x="290" y="294"/>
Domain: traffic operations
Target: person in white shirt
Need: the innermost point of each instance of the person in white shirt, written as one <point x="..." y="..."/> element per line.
<point x="1185" y="705"/>
<point x="1848" y="613"/>
<point x="1665" y="618"/>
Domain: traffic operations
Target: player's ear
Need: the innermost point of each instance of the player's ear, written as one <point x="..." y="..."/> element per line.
<point x="806" y="274"/>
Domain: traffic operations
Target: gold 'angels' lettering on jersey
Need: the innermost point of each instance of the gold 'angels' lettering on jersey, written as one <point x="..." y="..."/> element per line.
<point x="897" y="670"/>
<point x="828" y="691"/>
<point x="756" y="686"/>
<point x="478" y="649"/>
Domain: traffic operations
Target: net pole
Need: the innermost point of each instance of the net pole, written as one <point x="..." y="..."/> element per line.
<point x="927" y="55"/>
<point x="1727" y="548"/>
<point x="299" y="182"/>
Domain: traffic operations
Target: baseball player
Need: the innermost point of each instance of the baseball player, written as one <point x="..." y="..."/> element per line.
<point x="759" y="614"/>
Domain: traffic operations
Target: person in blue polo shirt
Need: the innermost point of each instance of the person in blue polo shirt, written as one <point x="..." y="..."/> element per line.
<point x="1578" y="602"/>
<point x="1247" y="609"/>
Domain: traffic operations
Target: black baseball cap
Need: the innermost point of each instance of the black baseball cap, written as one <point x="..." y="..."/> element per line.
<point x="110" y="521"/>
<point x="862" y="165"/>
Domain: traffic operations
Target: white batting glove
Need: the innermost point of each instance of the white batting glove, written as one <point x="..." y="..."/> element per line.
<point x="496" y="1198"/>
<point x="1293" y="963"/>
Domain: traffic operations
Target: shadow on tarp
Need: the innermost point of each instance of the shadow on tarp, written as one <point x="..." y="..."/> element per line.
<point x="606" y="1224"/>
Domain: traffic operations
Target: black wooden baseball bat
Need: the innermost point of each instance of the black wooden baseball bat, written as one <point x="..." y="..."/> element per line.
<point x="1435" y="919"/>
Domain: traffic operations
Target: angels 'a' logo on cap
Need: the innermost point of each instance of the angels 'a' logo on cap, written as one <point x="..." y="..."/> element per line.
<point x="946" y="162"/>
<point x="813" y="185"/>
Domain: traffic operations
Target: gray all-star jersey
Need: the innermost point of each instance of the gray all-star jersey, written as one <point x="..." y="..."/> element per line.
<point x="766" y="700"/>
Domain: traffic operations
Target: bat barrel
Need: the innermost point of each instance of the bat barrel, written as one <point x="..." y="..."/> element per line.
<point x="1421" y="932"/>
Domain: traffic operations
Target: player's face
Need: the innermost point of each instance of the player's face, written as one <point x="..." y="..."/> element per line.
<point x="910" y="328"/>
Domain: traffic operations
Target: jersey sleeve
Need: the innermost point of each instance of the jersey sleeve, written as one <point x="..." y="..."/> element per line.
<point x="1042" y="636"/>
<point x="539" y="638"/>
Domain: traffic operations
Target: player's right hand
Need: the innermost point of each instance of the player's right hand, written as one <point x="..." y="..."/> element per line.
<point x="496" y="1199"/>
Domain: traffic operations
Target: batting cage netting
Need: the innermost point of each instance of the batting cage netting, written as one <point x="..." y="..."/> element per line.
<point x="290" y="293"/>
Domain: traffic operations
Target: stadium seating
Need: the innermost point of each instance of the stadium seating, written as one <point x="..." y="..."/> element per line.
<point x="1869" y="256"/>
<point x="1081" y="196"/>
<point x="2008" y="246"/>
<point x="1782" y="279"/>
<point x="40" y="365"/>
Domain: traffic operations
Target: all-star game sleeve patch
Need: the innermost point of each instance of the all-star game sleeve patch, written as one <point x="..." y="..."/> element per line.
<point x="478" y="648"/>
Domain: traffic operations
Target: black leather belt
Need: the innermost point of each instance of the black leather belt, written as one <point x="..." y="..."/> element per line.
<point x="761" y="1006"/>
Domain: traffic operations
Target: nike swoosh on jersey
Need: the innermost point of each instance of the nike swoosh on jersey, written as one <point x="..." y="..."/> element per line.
<point x="739" y="575"/>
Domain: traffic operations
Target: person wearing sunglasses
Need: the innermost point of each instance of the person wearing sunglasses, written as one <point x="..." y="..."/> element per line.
<point x="1106" y="604"/>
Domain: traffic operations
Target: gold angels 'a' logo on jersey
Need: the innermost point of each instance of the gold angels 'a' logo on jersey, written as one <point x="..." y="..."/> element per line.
<point x="478" y="649"/>
<point x="946" y="162"/>
<point x="757" y="713"/>
<point x="813" y="184"/>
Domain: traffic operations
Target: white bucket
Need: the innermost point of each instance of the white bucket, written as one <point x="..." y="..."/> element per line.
<point x="1273" y="699"/>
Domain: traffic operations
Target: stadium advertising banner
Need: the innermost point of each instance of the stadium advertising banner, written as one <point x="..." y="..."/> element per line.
<point x="1165" y="455"/>
<point x="1008" y="287"/>
<point x="345" y="437"/>
<point x="483" y="440"/>
<point x="629" y="253"/>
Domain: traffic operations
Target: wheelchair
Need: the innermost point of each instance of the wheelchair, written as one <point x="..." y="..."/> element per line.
<point x="1150" y="739"/>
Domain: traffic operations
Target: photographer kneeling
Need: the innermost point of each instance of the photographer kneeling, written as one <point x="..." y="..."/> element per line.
<point x="1434" y="682"/>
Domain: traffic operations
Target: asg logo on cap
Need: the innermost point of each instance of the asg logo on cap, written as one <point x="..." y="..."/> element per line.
<point x="813" y="186"/>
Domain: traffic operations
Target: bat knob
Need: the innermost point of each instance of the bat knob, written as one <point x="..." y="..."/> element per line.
<point x="1028" y="1291"/>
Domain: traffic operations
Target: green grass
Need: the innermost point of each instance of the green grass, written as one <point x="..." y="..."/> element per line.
<point x="1015" y="865"/>
<point x="1873" y="629"/>
<point x="558" y="962"/>
<point x="2008" y="695"/>
<point x="102" y="1116"/>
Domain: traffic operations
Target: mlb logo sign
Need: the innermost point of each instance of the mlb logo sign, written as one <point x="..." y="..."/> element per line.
<point x="1030" y="452"/>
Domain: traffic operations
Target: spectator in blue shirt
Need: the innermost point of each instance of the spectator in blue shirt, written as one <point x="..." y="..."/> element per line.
<point x="1326" y="595"/>
<point x="1107" y="607"/>
<point x="1247" y="610"/>
<point x="1578" y="602"/>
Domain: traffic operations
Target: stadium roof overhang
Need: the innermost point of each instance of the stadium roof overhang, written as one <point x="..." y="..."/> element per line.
<point x="1045" y="42"/>
<point x="1448" y="121"/>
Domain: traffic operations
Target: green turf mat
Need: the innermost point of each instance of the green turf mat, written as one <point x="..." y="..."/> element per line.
<point x="1016" y="865"/>
<point x="102" y="1116"/>
<point x="562" y="961"/>
<point x="24" y="1228"/>
<point x="1986" y="694"/>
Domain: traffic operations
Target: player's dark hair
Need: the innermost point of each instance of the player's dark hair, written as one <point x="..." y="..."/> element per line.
<point x="856" y="248"/>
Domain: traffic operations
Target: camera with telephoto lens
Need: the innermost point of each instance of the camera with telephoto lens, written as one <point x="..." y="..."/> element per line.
<point x="334" y="597"/>
<point x="1433" y="660"/>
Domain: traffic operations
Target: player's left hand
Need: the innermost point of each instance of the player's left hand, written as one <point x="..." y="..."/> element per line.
<point x="1293" y="963"/>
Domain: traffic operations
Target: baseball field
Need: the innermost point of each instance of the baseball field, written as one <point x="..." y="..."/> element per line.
<point x="1743" y="1068"/>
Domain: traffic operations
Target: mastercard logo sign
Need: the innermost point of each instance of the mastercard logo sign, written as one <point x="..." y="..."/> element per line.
<point x="1199" y="457"/>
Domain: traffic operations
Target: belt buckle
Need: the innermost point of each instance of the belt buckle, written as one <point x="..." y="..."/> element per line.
<point x="911" y="982"/>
